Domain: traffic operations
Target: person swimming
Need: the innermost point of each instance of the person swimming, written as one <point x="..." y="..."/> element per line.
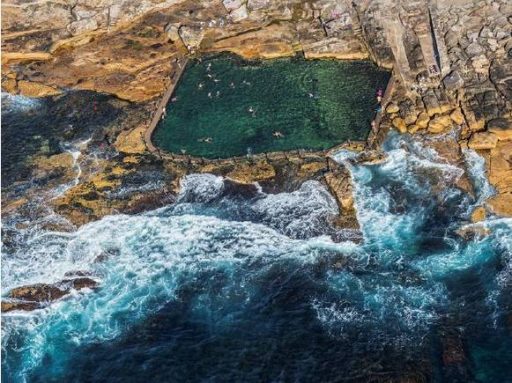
<point x="278" y="134"/>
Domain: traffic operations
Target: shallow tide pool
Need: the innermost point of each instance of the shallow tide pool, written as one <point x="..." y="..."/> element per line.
<point x="224" y="106"/>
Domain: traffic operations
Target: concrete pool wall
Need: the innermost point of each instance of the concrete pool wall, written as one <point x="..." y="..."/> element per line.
<point x="165" y="105"/>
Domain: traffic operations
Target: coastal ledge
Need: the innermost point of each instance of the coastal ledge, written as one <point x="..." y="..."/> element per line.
<point x="134" y="59"/>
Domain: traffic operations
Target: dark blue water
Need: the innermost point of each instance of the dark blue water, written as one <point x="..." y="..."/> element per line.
<point x="226" y="286"/>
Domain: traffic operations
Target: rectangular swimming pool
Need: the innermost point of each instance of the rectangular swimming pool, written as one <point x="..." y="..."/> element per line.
<point x="224" y="106"/>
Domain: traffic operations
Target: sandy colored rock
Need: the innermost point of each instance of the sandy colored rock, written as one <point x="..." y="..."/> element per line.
<point x="422" y="120"/>
<point x="500" y="170"/>
<point x="392" y="108"/>
<point x="9" y="85"/>
<point x="34" y="89"/>
<point x="457" y="117"/>
<point x="400" y="125"/>
<point x="478" y="214"/>
<point x="483" y="140"/>
<point x="311" y="168"/>
<point x="501" y="204"/>
<point x="500" y="127"/>
<point x="249" y="173"/>
<point x="439" y="124"/>
<point x="276" y="40"/>
<point x="131" y="141"/>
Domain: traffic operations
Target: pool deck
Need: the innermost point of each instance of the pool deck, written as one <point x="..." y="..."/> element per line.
<point x="182" y="63"/>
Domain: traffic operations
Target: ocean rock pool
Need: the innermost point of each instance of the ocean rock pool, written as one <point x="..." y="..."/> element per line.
<point x="225" y="106"/>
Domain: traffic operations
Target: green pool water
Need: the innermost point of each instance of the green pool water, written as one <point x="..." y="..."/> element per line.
<point x="224" y="106"/>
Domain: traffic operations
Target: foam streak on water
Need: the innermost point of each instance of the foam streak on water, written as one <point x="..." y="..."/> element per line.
<point x="221" y="268"/>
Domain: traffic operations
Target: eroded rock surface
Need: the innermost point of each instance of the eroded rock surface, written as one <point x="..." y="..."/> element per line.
<point x="36" y="296"/>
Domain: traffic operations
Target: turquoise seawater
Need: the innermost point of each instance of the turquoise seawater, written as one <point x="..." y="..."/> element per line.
<point x="228" y="285"/>
<point x="224" y="106"/>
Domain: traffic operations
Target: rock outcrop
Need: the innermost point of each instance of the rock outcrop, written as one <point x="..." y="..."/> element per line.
<point x="39" y="295"/>
<point x="451" y="72"/>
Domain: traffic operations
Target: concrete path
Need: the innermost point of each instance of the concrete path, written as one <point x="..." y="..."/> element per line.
<point x="182" y="63"/>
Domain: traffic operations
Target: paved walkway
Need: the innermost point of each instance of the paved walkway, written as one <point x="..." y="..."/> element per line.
<point x="182" y="63"/>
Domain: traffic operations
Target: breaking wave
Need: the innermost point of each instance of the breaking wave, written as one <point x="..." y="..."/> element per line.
<point x="228" y="266"/>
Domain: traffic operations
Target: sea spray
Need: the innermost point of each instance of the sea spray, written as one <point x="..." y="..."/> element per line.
<point x="222" y="283"/>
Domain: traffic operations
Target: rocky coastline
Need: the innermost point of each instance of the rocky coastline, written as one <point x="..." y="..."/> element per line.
<point x="451" y="86"/>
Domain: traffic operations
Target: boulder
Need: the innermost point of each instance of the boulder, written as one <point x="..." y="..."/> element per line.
<point x="500" y="127"/>
<point x="457" y="117"/>
<point x="470" y="232"/>
<point x="239" y="14"/>
<point x="12" y="305"/>
<point x="35" y="296"/>
<point x="422" y="120"/>
<point x="439" y="124"/>
<point x="42" y="292"/>
<point x="483" y="140"/>
<point x="392" y="108"/>
<point x="474" y="49"/>
<point x="434" y="105"/>
<point x="400" y="124"/>
<point x="231" y="5"/>
<point x="478" y="214"/>
<point x="453" y="81"/>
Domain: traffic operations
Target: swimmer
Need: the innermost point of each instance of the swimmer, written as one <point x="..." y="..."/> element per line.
<point x="208" y="140"/>
<point x="216" y="80"/>
<point x="278" y="134"/>
<point x="174" y="99"/>
<point x="311" y="95"/>
<point x="217" y="94"/>
<point x="232" y="85"/>
<point x="209" y="94"/>
<point x="200" y="86"/>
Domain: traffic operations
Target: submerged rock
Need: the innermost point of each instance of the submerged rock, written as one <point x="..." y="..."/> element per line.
<point x="31" y="297"/>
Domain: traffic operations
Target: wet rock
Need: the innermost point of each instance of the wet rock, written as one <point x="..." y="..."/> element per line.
<point x="471" y="232"/>
<point x="13" y="305"/>
<point x="370" y="157"/>
<point x="149" y="201"/>
<point x="478" y="214"/>
<point x="42" y="292"/>
<point x="237" y="189"/>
